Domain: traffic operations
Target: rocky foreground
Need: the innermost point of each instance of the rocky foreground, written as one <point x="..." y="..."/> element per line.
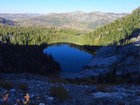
<point x="38" y="90"/>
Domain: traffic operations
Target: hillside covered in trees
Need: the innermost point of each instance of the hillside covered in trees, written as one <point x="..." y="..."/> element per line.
<point x="117" y="30"/>
<point x="111" y="33"/>
<point x="32" y="35"/>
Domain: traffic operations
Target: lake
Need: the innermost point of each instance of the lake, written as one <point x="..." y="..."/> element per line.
<point x="72" y="58"/>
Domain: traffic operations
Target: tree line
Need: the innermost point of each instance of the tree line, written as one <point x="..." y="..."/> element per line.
<point x="111" y="33"/>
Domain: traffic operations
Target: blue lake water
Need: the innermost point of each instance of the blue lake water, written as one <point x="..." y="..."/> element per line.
<point x="70" y="58"/>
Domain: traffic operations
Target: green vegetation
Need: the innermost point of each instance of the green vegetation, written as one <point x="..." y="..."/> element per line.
<point x="116" y="31"/>
<point x="111" y="33"/>
<point x="33" y="35"/>
<point x="23" y="86"/>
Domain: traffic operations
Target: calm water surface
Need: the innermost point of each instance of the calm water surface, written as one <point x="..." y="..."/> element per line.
<point x="70" y="57"/>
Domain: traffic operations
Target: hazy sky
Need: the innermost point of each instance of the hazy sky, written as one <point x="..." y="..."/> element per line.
<point x="58" y="6"/>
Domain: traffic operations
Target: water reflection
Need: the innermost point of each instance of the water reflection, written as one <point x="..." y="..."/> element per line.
<point x="72" y="58"/>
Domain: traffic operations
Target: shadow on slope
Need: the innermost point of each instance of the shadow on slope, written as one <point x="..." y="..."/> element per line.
<point x="27" y="58"/>
<point x="134" y="34"/>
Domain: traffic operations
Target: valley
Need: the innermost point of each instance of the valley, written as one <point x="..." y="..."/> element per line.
<point x="71" y="58"/>
<point x="75" y="20"/>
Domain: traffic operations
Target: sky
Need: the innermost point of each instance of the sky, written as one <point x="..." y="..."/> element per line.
<point x="62" y="6"/>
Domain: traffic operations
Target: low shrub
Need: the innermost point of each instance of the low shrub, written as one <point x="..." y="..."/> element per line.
<point x="59" y="92"/>
<point x="6" y="85"/>
<point x="23" y="86"/>
<point x="104" y="87"/>
<point x="137" y="93"/>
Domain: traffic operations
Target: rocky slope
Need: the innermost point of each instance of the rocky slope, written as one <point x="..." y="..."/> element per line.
<point x="124" y="60"/>
<point x="36" y="90"/>
<point x="7" y="22"/>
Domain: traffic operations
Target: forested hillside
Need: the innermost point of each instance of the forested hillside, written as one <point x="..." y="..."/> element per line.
<point x="116" y="31"/>
<point x="111" y="33"/>
<point x="31" y="35"/>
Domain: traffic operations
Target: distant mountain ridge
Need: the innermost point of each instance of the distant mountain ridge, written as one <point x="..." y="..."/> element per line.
<point x="75" y="20"/>
<point x="7" y="22"/>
